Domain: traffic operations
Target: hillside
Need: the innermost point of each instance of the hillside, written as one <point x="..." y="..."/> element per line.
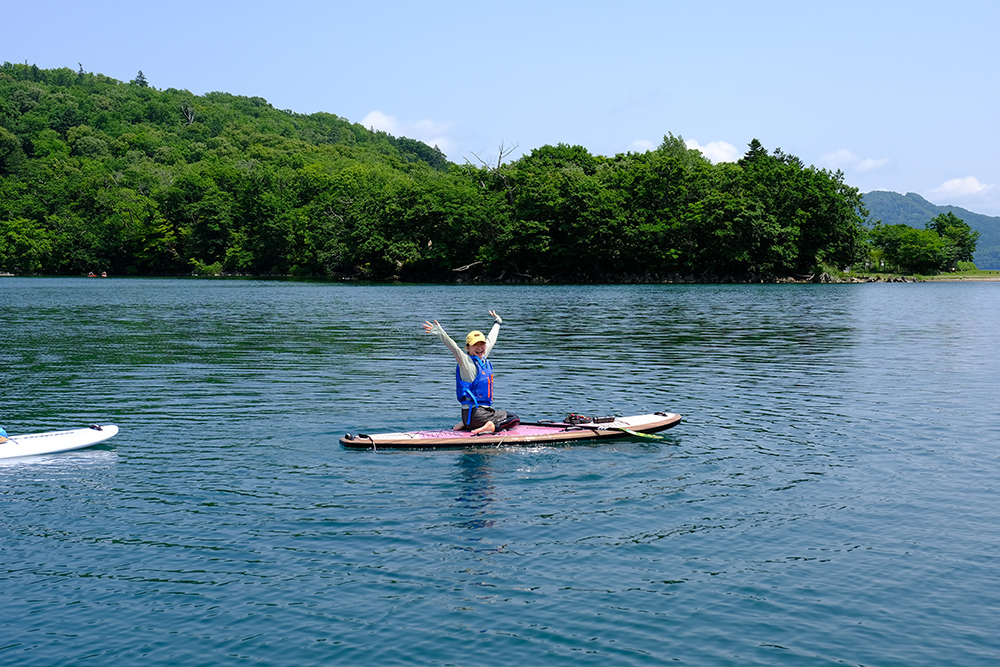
<point x="103" y="175"/>
<point x="911" y="209"/>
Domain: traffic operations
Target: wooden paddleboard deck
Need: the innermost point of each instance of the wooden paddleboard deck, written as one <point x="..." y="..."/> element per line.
<point x="522" y="434"/>
<point x="53" y="442"/>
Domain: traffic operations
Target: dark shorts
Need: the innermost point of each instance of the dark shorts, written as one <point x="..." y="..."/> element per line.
<point x="481" y="415"/>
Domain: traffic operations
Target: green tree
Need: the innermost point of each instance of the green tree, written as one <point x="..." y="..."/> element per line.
<point x="960" y="240"/>
<point x="656" y="192"/>
<point x="24" y="246"/>
<point x="12" y="156"/>
<point x="908" y="250"/>
<point x="676" y="148"/>
<point x="813" y="207"/>
<point x="945" y="241"/>
<point x="199" y="213"/>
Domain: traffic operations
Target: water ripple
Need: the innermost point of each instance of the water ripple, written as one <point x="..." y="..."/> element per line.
<point x="828" y="499"/>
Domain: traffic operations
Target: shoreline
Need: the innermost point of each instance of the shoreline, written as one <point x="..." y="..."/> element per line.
<point x="967" y="279"/>
<point x="646" y="279"/>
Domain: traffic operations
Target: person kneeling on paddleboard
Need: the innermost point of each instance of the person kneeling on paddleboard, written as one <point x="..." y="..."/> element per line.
<point x="474" y="379"/>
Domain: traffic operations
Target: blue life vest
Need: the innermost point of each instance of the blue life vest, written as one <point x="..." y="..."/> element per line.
<point x="480" y="390"/>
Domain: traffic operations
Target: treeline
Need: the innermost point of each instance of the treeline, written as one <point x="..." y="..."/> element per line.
<point x="892" y="208"/>
<point x="102" y="175"/>
<point x="944" y="242"/>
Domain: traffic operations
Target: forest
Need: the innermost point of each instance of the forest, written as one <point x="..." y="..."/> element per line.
<point x="103" y="175"/>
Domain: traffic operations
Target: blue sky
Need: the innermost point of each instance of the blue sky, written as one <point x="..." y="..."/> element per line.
<point x="901" y="96"/>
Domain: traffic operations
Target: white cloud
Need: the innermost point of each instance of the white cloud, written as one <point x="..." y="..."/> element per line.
<point x="379" y="121"/>
<point x="961" y="187"/>
<point x="839" y="159"/>
<point x="844" y="159"/>
<point x="716" y="151"/>
<point x="641" y="146"/>
<point x="431" y="132"/>
<point x="871" y="164"/>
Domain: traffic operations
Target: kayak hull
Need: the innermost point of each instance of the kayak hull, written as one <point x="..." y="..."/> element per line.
<point x="523" y="434"/>
<point x="53" y="442"/>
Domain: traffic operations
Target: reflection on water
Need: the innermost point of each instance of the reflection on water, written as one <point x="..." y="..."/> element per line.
<point x="63" y="462"/>
<point x="476" y="488"/>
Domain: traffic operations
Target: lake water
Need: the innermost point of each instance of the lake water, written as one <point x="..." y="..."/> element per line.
<point x="831" y="497"/>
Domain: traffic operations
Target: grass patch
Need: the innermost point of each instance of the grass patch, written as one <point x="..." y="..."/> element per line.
<point x="964" y="271"/>
<point x="965" y="274"/>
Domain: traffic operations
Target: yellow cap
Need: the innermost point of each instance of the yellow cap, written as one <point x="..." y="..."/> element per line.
<point x="474" y="337"/>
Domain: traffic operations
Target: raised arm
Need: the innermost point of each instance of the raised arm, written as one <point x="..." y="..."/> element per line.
<point x="465" y="363"/>
<point x="491" y="338"/>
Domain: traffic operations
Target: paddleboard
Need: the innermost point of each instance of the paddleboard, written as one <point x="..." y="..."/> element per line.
<point x="553" y="432"/>
<point x="55" y="441"/>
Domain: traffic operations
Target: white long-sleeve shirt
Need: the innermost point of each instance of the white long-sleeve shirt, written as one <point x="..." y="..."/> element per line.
<point x="466" y="365"/>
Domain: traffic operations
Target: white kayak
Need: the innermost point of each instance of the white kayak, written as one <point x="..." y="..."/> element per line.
<point x="52" y="442"/>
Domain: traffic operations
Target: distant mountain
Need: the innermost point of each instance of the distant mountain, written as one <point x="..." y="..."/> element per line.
<point x="911" y="209"/>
